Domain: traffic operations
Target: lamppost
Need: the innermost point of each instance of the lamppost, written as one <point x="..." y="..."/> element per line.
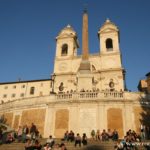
<point x="124" y="78"/>
<point x="53" y="76"/>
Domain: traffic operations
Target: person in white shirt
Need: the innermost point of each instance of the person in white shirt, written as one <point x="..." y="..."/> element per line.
<point x="50" y="141"/>
<point x="47" y="147"/>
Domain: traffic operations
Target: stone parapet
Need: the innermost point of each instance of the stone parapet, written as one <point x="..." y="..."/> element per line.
<point x="78" y="96"/>
<point x="26" y="103"/>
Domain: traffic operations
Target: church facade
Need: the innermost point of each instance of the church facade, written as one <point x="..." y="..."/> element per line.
<point x="85" y="92"/>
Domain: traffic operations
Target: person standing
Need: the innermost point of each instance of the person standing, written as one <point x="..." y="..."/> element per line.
<point x="84" y="139"/>
<point x="33" y="131"/>
<point x="19" y="134"/>
<point x="25" y="131"/>
<point x="78" y="140"/>
<point x="93" y="134"/>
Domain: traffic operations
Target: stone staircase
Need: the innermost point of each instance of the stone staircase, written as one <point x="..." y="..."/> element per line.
<point x="70" y="146"/>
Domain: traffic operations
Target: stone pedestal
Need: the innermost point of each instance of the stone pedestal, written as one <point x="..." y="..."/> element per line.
<point x="84" y="82"/>
<point x="84" y="76"/>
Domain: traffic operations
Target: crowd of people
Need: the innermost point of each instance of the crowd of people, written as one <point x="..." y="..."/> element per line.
<point x="49" y="145"/>
<point x="77" y="139"/>
<point x="132" y="141"/>
<point x="20" y="135"/>
<point x="31" y="138"/>
<point x="105" y="135"/>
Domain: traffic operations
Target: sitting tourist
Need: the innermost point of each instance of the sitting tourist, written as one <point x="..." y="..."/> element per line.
<point x="110" y="134"/>
<point x="56" y="147"/>
<point x="98" y="135"/>
<point x="71" y="136"/>
<point x="93" y="134"/>
<point x="84" y="139"/>
<point x="104" y="135"/>
<point x="115" y="136"/>
<point x="19" y="134"/>
<point x="28" y="145"/>
<point x="50" y="141"/>
<point x="9" y="138"/>
<point x="63" y="146"/>
<point x="66" y="136"/>
<point x="47" y="147"/>
<point x="1" y="135"/>
<point x="37" y="145"/>
<point x="119" y="145"/>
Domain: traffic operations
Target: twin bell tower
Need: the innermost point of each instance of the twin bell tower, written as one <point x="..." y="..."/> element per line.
<point x="76" y="73"/>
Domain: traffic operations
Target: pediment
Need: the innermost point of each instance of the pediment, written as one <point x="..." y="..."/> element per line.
<point x="108" y="30"/>
<point x="65" y="35"/>
<point x="107" y="27"/>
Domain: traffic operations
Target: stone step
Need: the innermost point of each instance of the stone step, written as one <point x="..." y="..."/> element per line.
<point x="70" y="145"/>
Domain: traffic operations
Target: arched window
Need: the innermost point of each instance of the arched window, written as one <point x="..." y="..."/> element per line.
<point x="64" y="50"/>
<point x="109" y="44"/>
<point x="32" y="90"/>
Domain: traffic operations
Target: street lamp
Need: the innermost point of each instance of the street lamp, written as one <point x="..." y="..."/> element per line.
<point x="53" y="76"/>
<point x="124" y="78"/>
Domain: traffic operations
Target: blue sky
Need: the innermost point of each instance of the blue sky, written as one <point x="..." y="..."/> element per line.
<point x="28" y="29"/>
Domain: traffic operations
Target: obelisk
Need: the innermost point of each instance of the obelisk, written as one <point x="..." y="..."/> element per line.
<point x="85" y="38"/>
<point x="84" y="72"/>
<point x="85" y="64"/>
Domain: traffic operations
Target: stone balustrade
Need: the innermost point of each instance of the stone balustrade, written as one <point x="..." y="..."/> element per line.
<point x="90" y="95"/>
<point x="78" y="96"/>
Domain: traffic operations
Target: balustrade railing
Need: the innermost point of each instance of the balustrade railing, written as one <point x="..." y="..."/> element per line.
<point x="90" y="95"/>
<point x="103" y="95"/>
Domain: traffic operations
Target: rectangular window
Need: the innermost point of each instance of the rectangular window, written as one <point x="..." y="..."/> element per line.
<point x="5" y="96"/>
<point x="6" y="87"/>
<point x="23" y="86"/>
<point x="14" y="87"/>
<point x="41" y="93"/>
<point x="22" y="95"/>
<point x="32" y="90"/>
<point x="2" y="102"/>
<point x="13" y="95"/>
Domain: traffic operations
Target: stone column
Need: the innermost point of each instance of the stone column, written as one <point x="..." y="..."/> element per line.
<point x="74" y="117"/>
<point x="49" y="122"/>
<point x="128" y="118"/>
<point x="102" y="116"/>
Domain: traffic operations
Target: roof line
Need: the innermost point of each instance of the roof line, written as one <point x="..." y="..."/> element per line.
<point x="25" y="81"/>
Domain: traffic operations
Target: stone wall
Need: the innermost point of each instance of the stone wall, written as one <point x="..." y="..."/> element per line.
<point x="115" y="120"/>
<point x="16" y="122"/>
<point x="137" y="117"/>
<point x="61" y="122"/>
<point x="9" y="118"/>
<point x="36" y="116"/>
